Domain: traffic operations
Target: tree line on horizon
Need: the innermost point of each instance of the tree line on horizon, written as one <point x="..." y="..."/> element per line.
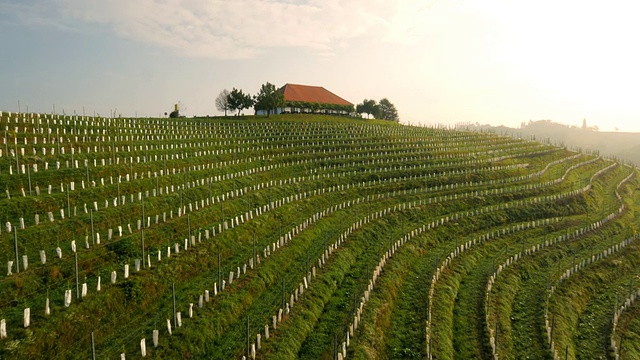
<point x="269" y="98"/>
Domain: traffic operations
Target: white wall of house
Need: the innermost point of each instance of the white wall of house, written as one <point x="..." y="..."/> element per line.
<point x="264" y="112"/>
<point x="289" y="109"/>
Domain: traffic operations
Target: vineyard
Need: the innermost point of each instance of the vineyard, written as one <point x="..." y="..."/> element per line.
<point x="312" y="237"/>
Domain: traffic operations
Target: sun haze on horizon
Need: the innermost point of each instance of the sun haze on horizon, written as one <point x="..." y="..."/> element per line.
<point x="445" y="62"/>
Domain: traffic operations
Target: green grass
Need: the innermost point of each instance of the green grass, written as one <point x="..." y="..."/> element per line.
<point x="524" y="284"/>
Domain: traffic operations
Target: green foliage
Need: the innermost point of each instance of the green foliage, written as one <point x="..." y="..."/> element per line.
<point x="239" y="101"/>
<point x="132" y="291"/>
<point x="383" y="110"/>
<point x="387" y="111"/>
<point x="124" y="249"/>
<point x="268" y="98"/>
<point x="315" y="107"/>
<point x="369" y="107"/>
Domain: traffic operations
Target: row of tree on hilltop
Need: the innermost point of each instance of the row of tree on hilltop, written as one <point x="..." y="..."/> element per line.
<point x="269" y="98"/>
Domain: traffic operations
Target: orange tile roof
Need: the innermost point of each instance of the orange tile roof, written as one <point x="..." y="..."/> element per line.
<point x="312" y="94"/>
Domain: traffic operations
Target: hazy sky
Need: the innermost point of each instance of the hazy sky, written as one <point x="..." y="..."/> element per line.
<point x="486" y="61"/>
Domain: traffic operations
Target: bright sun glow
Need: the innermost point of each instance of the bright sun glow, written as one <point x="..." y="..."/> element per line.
<point x="579" y="53"/>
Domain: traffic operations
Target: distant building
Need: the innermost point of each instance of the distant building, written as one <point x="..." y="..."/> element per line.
<point x="311" y="99"/>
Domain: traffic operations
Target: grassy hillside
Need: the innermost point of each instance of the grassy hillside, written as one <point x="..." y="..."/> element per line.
<point x="308" y="237"/>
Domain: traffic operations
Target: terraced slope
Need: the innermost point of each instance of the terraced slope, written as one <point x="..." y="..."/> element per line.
<point x="307" y="237"/>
